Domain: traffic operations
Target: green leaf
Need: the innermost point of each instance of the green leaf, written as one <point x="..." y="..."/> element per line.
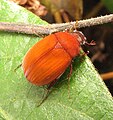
<point x="89" y="97"/>
<point x="108" y="4"/>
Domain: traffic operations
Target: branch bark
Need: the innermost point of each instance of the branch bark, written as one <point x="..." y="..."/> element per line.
<point x="41" y="30"/>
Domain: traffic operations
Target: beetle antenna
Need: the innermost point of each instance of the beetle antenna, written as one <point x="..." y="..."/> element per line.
<point x="91" y="43"/>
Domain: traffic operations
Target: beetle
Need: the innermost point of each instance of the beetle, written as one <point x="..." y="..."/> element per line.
<point x="48" y="59"/>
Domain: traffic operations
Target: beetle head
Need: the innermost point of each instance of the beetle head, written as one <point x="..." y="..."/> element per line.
<point x="83" y="40"/>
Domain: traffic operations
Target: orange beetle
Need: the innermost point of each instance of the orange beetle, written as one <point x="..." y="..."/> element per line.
<point x="47" y="60"/>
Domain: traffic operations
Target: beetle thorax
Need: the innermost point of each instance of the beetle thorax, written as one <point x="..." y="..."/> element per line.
<point x="69" y="42"/>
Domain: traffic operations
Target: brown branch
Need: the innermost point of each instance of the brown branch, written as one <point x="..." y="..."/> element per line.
<point x="41" y="30"/>
<point x="106" y="76"/>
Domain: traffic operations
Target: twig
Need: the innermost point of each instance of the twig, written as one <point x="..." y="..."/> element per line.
<point x="41" y="30"/>
<point x="106" y="76"/>
<point x="24" y="28"/>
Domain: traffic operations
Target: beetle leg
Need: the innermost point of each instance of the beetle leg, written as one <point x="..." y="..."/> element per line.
<point x="71" y="69"/>
<point x="82" y="55"/>
<point x="44" y="97"/>
<point x="17" y="67"/>
<point x="47" y="91"/>
<point x="69" y="75"/>
<point x="52" y="84"/>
